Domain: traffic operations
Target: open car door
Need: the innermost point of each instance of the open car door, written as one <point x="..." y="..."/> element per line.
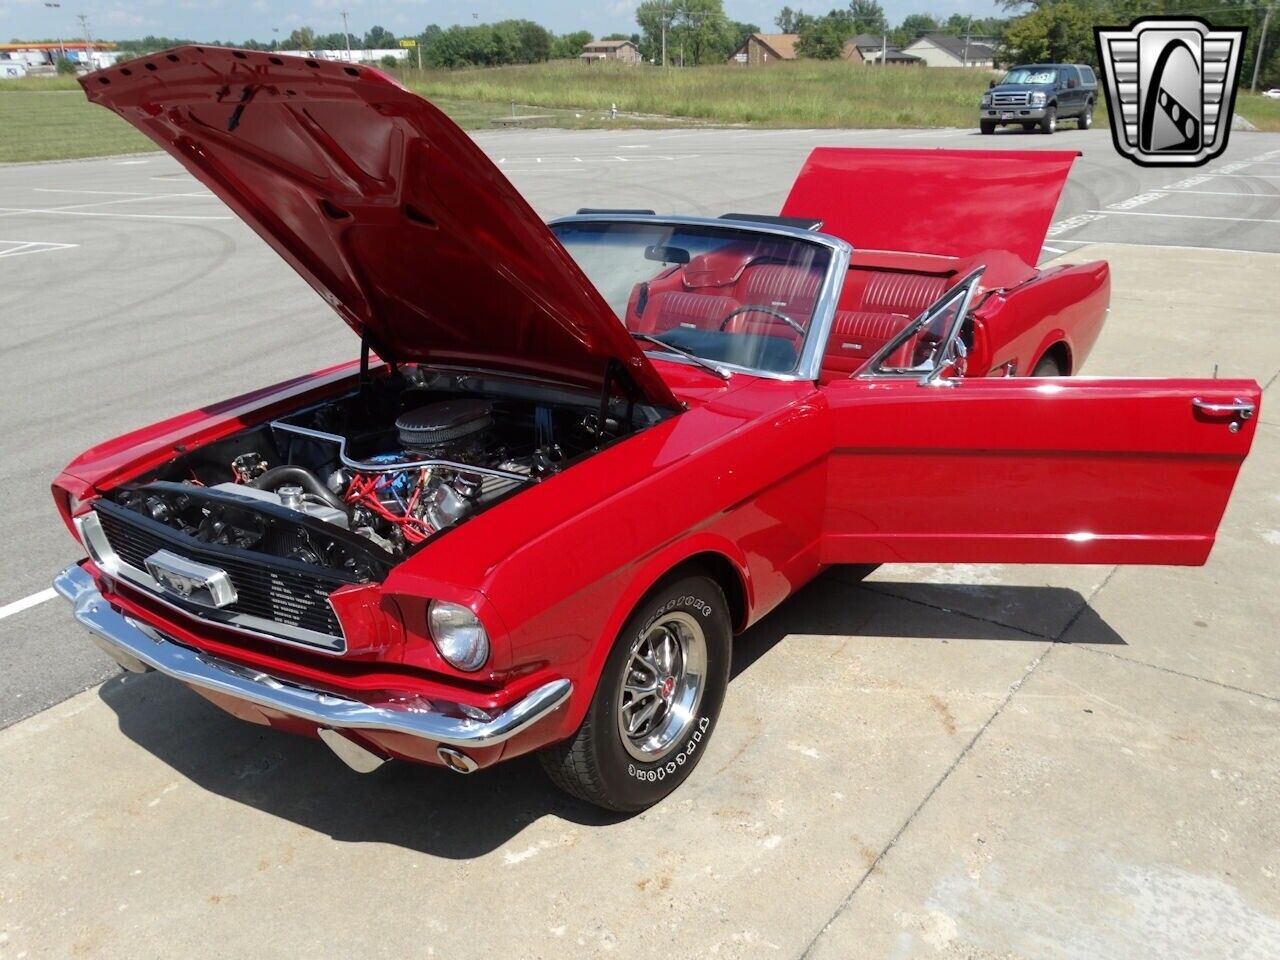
<point x="927" y="466"/>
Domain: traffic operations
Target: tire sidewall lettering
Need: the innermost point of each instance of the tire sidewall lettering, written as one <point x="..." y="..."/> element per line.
<point x="659" y="771"/>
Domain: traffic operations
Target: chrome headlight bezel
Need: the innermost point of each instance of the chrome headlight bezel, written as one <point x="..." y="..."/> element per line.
<point x="986" y="99"/>
<point x="1038" y="99"/>
<point x="458" y="634"/>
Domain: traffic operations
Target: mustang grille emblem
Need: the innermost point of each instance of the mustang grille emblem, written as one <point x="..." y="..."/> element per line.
<point x="195" y="582"/>
<point x="1171" y="88"/>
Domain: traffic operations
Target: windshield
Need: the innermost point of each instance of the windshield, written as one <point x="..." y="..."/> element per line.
<point x="1036" y="75"/>
<point x="728" y="295"/>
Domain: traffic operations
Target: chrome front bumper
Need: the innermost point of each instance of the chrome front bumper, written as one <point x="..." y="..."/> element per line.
<point x="138" y="648"/>
<point x="1013" y="114"/>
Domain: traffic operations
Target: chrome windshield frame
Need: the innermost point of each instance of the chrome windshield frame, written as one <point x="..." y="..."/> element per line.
<point x="809" y="366"/>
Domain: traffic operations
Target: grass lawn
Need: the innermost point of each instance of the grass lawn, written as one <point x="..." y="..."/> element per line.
<point x="805" y="93"/>
<point x="49" y="118"/>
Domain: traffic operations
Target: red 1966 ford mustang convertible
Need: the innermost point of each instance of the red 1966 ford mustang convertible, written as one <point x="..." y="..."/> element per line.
<point x="574" y="460"/>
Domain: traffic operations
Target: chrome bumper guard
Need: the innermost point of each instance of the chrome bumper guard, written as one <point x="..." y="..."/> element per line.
<point x="138" y="648"/>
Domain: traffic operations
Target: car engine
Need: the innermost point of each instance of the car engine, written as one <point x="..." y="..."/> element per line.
<point x="355" y="484"/>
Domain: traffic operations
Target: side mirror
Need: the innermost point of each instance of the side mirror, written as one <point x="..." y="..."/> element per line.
<point x="959" y="358"/>
<point x="991" y="85"/>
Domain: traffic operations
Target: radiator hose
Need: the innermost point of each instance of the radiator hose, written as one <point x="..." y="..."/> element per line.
<point x="278" y="476"/>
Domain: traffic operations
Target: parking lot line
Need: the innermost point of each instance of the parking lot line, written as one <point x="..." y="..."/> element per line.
<point x="26" y="603"/>
<point x="1228" y="193"/>
<point x="119" y="193"/>
<point x="1181" y="216"/>
<point x="19" y="211"/>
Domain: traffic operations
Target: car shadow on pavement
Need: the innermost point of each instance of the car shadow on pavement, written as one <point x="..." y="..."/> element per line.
<point x="442" y="814"/>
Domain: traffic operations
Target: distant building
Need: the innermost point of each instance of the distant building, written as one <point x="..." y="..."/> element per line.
<point x="944" y="50"/>
<point x="765" y="48"/>
<point x="624" y="51"/>
<point x="871" y="48"/>
<point x="33" y="56"/>
<point x="357" y="55"/>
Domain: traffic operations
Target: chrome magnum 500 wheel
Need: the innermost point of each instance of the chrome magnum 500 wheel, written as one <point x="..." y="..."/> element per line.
<point x="656" y="703"/>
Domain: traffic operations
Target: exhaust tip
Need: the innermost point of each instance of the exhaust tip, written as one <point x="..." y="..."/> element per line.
<point x="456" y="761"/>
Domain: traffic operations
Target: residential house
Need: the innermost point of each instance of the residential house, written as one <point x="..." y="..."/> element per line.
<point x="765" y="48"/>
<point x="944" y="50"/>
<point x="624" y="51"/>
<point x="869" y="48"/>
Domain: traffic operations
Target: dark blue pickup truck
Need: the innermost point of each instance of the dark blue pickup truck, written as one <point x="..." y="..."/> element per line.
<point x="1038" y="95"/>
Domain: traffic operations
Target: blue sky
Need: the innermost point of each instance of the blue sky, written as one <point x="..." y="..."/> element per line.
<point x="241" y="19"/>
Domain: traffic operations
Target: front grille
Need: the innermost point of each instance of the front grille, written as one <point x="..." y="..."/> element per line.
<point x="1010" y="99"/>
<point x="293" y="600"/>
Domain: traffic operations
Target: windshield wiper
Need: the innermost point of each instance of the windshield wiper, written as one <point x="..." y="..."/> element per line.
<point x="715" y="368"/>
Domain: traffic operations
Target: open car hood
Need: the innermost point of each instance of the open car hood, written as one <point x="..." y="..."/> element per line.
<point x="384" y="206"/>
<point x="951" y="202"/>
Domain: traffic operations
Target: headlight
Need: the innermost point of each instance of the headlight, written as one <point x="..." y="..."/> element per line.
<point x="458" y="635"/>
<point x="1038" y="99"/>
<point x="986" y="99"/>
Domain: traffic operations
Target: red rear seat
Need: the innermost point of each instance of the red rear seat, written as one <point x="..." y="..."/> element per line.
<point x="790" y="289"/>
<point x="889" y="302"/>
<point x="907" y="293"/>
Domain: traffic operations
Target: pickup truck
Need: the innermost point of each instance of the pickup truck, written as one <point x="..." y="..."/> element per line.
<point x="1037" y="96"/>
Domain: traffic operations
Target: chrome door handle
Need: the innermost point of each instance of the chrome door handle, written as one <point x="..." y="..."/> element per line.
<point x="1236" y="408"/>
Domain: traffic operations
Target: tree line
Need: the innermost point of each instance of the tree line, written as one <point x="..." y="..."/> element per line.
<point x="699" y="32"/>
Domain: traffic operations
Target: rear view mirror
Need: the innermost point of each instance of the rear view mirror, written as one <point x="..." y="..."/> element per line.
<point x="665" y="254"/>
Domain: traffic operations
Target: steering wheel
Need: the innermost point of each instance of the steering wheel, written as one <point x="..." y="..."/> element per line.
<point x="750" y="308"/>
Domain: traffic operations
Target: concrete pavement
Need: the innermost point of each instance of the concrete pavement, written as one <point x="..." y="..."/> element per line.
<point x="953" y="761"/>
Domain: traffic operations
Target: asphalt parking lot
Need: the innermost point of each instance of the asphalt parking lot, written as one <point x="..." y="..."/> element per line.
<point x="953" y="761"/>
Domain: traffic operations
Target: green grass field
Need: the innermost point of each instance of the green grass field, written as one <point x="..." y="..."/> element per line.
<point x="49" y="119"/>
<point x="805" y="93"/>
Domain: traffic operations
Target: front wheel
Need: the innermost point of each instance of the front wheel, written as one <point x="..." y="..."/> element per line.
<point x="1049" y="122"/>
<point x="656" y="703"/>
<point x="1086" y="118"/>
<point x="987" y="126"/>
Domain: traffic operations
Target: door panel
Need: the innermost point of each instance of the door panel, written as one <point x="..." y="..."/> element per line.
<point x="1069" y="470"/>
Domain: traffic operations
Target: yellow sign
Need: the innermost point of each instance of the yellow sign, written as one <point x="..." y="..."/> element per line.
<point x="408" y="43"/>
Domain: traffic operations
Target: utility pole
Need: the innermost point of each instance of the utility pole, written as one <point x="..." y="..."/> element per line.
<point x="62" y="47"/>
<point x="884" y="49"/>
<point x="663" y="21"/>
<point x="88" y="44"/>
<point x="1262" y="46"/>
<point x="968" y="25"/>
<point x="346" y="33"/>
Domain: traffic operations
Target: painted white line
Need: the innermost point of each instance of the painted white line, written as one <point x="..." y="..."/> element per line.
<point x="1244" y="176"/>
<point x="26" y="603"/>
<point x="118" y="193"/>
<point x="19" y="211"/>
<point x="1181" y="216"/>
<point x="1230" y="193"/>
<point x="130" y="163"/>
<point x="22" y="247"/>
<point x="1174" y="246"/>
<point x="1051" y="249"/>
<point x="1074" y="223"/>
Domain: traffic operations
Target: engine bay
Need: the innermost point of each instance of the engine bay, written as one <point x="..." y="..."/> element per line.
<point x="357" y="483"/>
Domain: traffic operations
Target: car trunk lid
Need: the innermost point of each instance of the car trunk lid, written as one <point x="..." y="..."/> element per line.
<point x="951" y="202"/>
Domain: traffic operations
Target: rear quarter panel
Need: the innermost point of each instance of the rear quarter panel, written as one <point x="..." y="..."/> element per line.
<point x="1065" y="304"/>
